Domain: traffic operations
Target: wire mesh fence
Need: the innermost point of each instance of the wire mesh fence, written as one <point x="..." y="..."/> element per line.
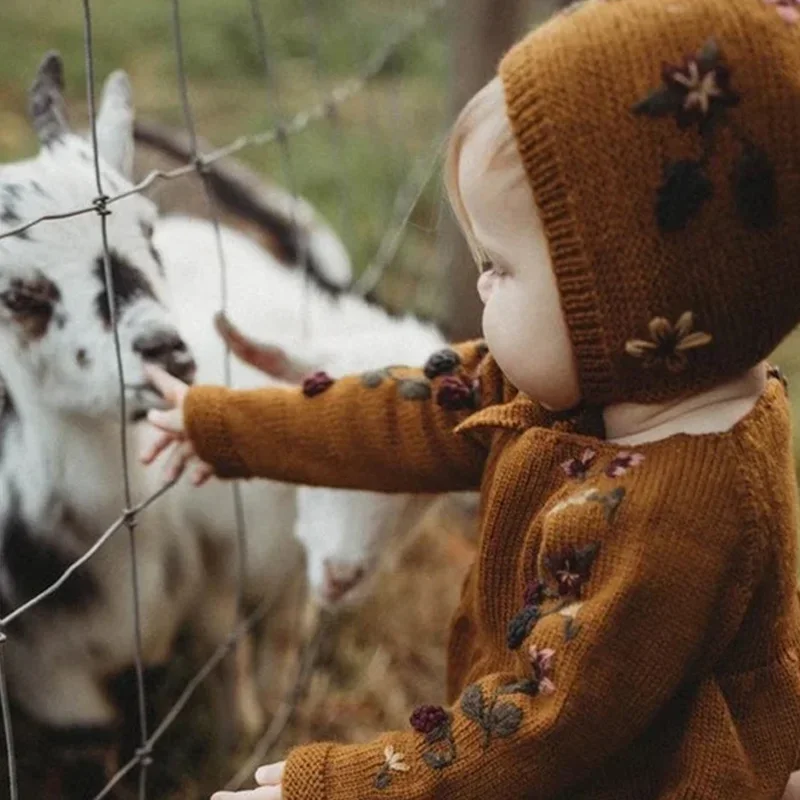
<point x="325" y="111"/>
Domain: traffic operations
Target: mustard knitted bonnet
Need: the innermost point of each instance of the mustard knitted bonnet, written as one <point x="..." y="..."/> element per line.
<point x="661" y="139"/>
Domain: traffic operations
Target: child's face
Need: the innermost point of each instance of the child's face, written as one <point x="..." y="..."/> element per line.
<point x="522" y="319"/>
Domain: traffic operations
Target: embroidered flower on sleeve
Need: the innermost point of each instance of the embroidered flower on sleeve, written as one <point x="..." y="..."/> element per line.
<point x="542" y="666"/>
<point x="394" y="762"/>
<point x="572" y="568"/>
<point x="788" y="10"/>
<point x="668" y="344"/>
<point x="578" y="468"/>
<point x="623" y="462"/>
<point x="317" y="383"/>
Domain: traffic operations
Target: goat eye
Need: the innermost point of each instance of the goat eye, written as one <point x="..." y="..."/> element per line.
<point x="29" y="300"/>
<point x="486" y="265"/>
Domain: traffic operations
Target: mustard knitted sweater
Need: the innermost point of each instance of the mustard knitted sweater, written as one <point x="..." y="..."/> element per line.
<point x="630" y="630"/>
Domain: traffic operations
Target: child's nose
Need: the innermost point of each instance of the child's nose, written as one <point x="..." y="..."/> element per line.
<point x="485" y="285"/>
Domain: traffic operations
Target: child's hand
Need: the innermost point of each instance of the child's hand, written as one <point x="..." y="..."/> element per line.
<point x="171" y="424"/>
<point x="268" y="779"/>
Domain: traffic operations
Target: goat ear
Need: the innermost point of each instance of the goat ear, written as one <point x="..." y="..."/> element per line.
<point x="269" y="359"/>
<point x="46" y="105"/>
<point x="115" y="123"/>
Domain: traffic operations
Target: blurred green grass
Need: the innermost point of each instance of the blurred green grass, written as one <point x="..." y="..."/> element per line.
<point x="350" y="171"/>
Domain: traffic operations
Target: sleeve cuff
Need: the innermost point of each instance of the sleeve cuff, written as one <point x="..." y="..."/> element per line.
<point x="305" y="776"/>
<point x="205" y="426"/>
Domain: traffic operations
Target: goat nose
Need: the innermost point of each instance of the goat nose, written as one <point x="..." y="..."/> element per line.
<point x="166" y="348"/>
<point x="340" y="579"/>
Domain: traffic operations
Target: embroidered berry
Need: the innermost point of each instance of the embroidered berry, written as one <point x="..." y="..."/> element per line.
<point x="535" y="593"/>
<point x="456" y="394"/>
<point x="442" y="362"/>
<point x="317" y="383"/>
<point x="427" y="719"/>
<point x="521" y="626"/>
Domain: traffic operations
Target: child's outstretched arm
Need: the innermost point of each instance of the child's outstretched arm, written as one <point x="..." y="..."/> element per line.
<point x="389" y="430"/>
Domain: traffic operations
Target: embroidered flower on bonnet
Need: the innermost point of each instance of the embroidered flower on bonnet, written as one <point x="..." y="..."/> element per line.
<point x="668" y="343"/>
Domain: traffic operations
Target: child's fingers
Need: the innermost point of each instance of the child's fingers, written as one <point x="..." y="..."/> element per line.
<point x="183" y="454"/>
<point x="202" y="474"/>
<point x="262" y="793"/>
<point x="158" y="447"/>
<point x="170" y="387"/>
<point x="170" y="421"/>
<point x="270" y="774"/>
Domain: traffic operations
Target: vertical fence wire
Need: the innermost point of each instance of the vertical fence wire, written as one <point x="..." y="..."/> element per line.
<point x="130" y="516"/>
<point x="188" y="118"/>
<point x="8" y="730"/>
<point x="272" y="98"/>
<point x="336" y="135"/>
<point x="405" y="202"/>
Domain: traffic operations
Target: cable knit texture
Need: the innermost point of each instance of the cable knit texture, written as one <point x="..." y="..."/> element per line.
<point x="603" y="170"/>
<point x="631" y="628"/>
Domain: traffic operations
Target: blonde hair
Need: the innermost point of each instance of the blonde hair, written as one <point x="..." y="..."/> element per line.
<point x="485" y="115"/>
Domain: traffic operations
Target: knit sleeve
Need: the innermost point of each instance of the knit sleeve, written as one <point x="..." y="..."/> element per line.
<point x="619" y="619"/>
<point x="387" y="430"/>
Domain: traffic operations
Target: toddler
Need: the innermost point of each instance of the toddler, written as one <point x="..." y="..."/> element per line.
<point x="630" y="186"/>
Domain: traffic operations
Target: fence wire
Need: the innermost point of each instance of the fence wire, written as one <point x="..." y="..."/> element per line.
<point x="325" y="109"/>
<point x="129" y="517"/>
<point x="189" y="122"/>
<point x="298" y="123"/>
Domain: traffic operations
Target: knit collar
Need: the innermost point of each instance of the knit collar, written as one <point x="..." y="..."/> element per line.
<point x="521" y="413"/>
